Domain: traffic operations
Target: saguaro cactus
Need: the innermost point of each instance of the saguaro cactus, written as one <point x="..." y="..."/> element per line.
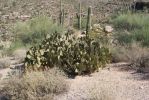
<point x="61" y="13"/>
<point x="79" y="17"/>
<point x="88" y="25"/>
<point x="60" y="16"/>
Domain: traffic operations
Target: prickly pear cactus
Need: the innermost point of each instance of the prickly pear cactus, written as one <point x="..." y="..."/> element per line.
<point x="74" y="55"/>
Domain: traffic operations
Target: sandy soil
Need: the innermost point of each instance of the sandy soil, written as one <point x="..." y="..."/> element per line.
<point x="118" y="83"/>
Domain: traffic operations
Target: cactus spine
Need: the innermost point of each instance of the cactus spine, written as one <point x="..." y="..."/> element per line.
<point x="88" y="25"/>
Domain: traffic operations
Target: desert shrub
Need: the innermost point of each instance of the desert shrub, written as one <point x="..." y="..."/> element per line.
<point x="74" y="55"/>
<point x="141" y="36"/>
<point x="34" y="30"/>
<point x="83" y="23"/>
<point x="126" y="53"/>
<point x="5" y="63"/>
<point x="123" y="38"/>
<point x="19" y="54"/>
<point x="98" y="32"/>
<point x="129" y="21"/>
<point x="15" y="45"/>
<point x="134" y="53"/>
<point x="136" y="26"/>
<point x="35" y="86"/>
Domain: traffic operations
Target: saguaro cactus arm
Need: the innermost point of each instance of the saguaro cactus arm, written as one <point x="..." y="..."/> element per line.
<point x="79" y="17"/>
<point x="88" y="25"/>
<point x="61" y="17"/>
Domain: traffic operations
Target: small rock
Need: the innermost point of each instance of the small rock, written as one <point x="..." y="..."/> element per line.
<point x="5" y="17"/>
<point x="16" y="14"/>
<point x="84" y="32"/>
<point x="11" y="17"/>
<point x="24" y="17"/>
<point x="141" y="87"/>
<point x="97" y="26"/>
<point x="108" y="29"/>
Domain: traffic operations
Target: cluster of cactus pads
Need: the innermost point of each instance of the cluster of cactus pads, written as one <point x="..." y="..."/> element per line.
<point x="73" y="55"/>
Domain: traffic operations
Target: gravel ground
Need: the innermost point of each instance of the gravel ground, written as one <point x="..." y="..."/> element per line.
<point x="118" y="83"/>
<point x="113" y="84"/>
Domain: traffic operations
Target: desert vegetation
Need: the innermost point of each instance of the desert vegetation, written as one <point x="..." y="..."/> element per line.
<point x="135" y="27"/>
<point x="62" y="49"/>
<point x="35" y="86"/>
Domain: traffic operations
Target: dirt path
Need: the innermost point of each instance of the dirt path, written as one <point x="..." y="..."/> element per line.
<point x="13" y="68"/>
<point x="115" y="84"/>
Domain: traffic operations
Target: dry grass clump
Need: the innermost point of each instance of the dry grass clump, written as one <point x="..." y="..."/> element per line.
<point x="128" y="53"/>
<point x="20" y="54"/>
<point x="35" y="86"/>
<point x="4" y="63"/>
<point x="102" y="93"/>
<point x="133" y="53"/>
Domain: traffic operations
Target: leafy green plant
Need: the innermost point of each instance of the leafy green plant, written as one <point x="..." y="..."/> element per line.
<point x="130" y="22"/>
<point x="31" y="32"/>
<point x="34" y="30"/>
<point x="135" y="26"/>
<point x="74" y="55"/>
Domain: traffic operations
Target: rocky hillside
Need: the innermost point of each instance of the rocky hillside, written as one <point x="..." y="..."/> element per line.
<point x="12" y="11"/>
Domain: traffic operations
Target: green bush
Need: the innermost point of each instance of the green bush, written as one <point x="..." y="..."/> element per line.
<point x="130" y="22"/>
<point x="137" y="35"/>
<point x="83" y="23"/>
<point x="34" y="30"/>
<point x="142" y="36"/>
<point x="74" y="55"/>
<point x="135" y="26"/>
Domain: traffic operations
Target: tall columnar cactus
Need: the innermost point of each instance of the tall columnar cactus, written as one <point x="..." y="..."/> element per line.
<point x="89" y="19"/>
<point x="60" y="5"/>
<point x="61" y="17"/>
<point x="79" y="17"/>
